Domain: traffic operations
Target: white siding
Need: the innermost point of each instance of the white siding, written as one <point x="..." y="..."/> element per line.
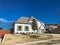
<point x="40" y="26"/>
<point x="23" y="28"/>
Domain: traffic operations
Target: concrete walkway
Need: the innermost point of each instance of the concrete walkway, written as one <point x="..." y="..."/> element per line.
<point x="41" y="41"/>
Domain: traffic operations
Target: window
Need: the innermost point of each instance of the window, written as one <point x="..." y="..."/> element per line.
<point x="26" y="28"/>
<point x="19" y="28"/>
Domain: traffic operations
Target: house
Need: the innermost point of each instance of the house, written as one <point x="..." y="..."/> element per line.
<point x="51" y="26"/>
<point x="3" y="32"/>
<point x="23" y="25"/>
<point x="57" y="29"/>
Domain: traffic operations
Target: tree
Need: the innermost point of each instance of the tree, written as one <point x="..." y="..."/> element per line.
<point x="0" y="28"/>
<point x="34" y="25"/>
<point x="12" y="23"/>
<point x="12" y="30"/>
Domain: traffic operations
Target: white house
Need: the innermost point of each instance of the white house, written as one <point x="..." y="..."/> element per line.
<point x="23" y="25"/>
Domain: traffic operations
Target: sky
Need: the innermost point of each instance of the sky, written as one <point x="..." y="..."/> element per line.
<point x="48" y="11"/>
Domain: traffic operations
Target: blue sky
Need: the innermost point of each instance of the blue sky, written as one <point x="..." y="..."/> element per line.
<point x="47" y="11"/>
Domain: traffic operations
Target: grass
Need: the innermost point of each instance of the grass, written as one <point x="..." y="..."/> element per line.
<point x="13" y="39"/>
<point x="18" y="42"/>
<point x="9" y="39"/>
<point x="41" y="37"/>
<point x="37" y="37"/>
<point x="47" y="43"/>
<point x="57" y="41"/>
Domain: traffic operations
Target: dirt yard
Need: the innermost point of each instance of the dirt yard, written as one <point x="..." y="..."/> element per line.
<point x="18" y="38"/>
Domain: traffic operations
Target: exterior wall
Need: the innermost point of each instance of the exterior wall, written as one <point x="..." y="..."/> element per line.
<point x="53" y="26"/>
<point x="50" y="27"/>
<point x="23" y="29"/>
<point x="41" y="28"/>
<point x="40" y="25"/>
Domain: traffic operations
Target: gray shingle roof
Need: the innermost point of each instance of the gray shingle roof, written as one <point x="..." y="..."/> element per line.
<point x="31" y="18"/>
<point x="25" y="19"/>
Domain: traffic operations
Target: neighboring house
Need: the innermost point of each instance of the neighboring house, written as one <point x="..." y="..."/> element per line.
<point x="23" y="25"/>
<point x="3" y="32"/>
<point x="57" y="30"/>
<point x="50" y="26"/>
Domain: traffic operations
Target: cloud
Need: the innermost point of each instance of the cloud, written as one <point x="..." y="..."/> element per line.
<point x="4" y="20"/>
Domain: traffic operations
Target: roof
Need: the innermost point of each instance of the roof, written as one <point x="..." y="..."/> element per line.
<point x="25" y="20"/>
<point x="31" y="18"/>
